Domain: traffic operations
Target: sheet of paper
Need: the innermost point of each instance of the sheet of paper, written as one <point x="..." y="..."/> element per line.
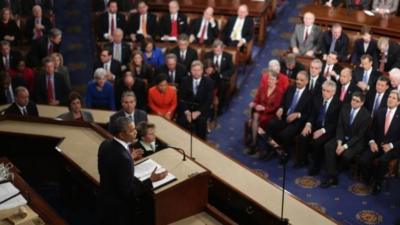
<point x="369" y="13"/>
<point x="144" y="169"/>
<point x="7" y="190"/>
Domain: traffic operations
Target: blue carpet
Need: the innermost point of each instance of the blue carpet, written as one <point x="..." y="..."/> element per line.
<point x="349" y="202"/>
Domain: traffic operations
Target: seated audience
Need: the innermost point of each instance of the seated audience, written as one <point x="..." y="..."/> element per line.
<point x="147" y="139"/>
<point x="377" y="97"/>
<point x="365" y="75"/>
<point x="8" y="85"/>
<point x="120" y="50"/>
<point x="46" y="5"/>
<point x="25" y="73"/>
<point x="142" y="24"/>
<point x="335" y="40"/>
<point x="140" y="68"/>
<point x="384" y="7"/>
<point x="384" y="143"/>
<point x="357" y="4"/>
<point x="9" y="29"/>
<point x="153" y="56"/>
<point x="112" y="66"/>
<point x="185" y="54"/>
<point x="365" y="45"/>
<point x="350" y="140"/>
<point x="60" y="68"/>
<point x="129" y="110"/>
<point x="195" y="97"/>
<point x="204" y="30"/>
<point x="50" y="87"/>
<point x="319" y="129"/>
<point x="174" y="23"/>
<point x="331" y="68"/>
<point x="9" y="57"/>
<point x="346" y="87"/>
<point x="76" y="113"/>
<point x="99" y="93"/>
<point x="37" y="26"/>
<point x="130" y="82"/>
<point x="394" y="76"/>
<point x="162" y="98"/>
<point x="283" y="80"/>
<point x="109" y="21"/>
<point x="174" y="70"/>
<point x="263" y="108"/>
<point x="316" y="80"/>
<point x="290" y="66"/>
<point x="389" y="57"/>
<point x="43" y="47"/>
<point x="305" y="38"/>
<point x="22" y="105"/>
<point x="239" y="29"/>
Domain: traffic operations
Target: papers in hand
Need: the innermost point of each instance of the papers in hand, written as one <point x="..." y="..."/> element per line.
<point x="369" y="13"/>
<point x="10" y="196"/>
<point x="144" y="169"/>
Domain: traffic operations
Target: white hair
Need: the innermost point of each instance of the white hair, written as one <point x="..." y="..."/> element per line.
<point x="274" y="65"/>
<point x="100" y="73"/>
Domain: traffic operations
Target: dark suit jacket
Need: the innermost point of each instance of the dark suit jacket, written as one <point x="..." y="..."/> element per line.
<point x="15" y="6"/>
<point x="358" y="51"/>
<point x="30" y="24"/>
<point x="27" y="5"/>
<point x="247" y="31"/>
<point x="115" y="68"/>
<point x="303" y="105"/>
<point x="14" y="110"/>
<point x="291" y="73"/>
<point x="103" y="24"/>
<point x="123" y="5"/>
<point x="317" y="87"/>
<point x="39" y="50"/>
<point x="350" y="90"/>
<point x="146" y="73"/>
<point x="358" y="74"/>
<point x="119" y="188"/>
<point x="377" y="132"/>
<point x="139" y="88"/>
<point x="226" y="67"/>
<point x="180" y="72"/>
<point x="159" y="146"/>
<point x="191" y="55"/>
<point x="125" y="52"/>
<point x="14" y="57"/>
<point x="139" y="116"/>
<point x="11" y="29"/>
<point x="393" y="57"/>
<point x="212" y="32"/>
<point x="370" y="100"/>
<point x="15" y="82"/>
<point x="336" y="67"/>
<point x="61" y="89"/>
<point x="331" y="115"/>
<point x="355" y="134"/>
<point x="165" y="24"/>
<point x="341" y="46"/>
<point x="203" y="98"/>
<point x="134" y="24"/>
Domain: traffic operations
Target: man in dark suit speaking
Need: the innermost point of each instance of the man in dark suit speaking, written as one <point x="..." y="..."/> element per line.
<point x="119" y="189"/>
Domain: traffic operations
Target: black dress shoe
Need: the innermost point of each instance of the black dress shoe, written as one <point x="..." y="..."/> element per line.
<point x="376" y="189"/>
<point x="329" y="182"/>
<point x="313" y="171"/>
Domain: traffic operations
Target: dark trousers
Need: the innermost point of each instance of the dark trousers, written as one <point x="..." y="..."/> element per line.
<point x="306" y="144"/>
<point x="197" y="126"/>
<point x="367" y="163"/>
<point x="282" y="132"/>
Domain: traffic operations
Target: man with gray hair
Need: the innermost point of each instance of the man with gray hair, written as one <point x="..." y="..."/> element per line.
<point x="44" y="46"/>
<point x="319" y="129"/>
<point x="120" y="50"/>
<point x="22" y="105"/>
<point x="316" y="80"/>
<point x="305" y="37"/>
<point x="37" y="26"/>
<point x="394" y="76"/>
<point x="290" y="66"/>
<point x="174" y="70"/>
<point x="389" y="57"/>
<point x="335" y="40"/>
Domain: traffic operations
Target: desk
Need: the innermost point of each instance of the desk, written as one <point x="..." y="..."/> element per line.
<point x="261" y="10"/>
<point x="354" y="20"/>
<point x="37" y="203"/>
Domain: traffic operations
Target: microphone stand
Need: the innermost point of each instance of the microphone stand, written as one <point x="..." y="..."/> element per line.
<point x="179" y="150"/>
<point x="284" y="159"/>
<point x="191" y="106"/>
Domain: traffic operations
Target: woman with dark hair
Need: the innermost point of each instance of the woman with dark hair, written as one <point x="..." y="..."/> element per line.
<point x="140" y="68"/>
<point x="162" y="98"/>
<point x="25" y="73"/>
<point x="152" y="55"/>
<point x="75" y="109"/>
<point x="9" y="30"/>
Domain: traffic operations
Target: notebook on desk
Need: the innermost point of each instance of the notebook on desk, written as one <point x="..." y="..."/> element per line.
<point x="144" y="169"/>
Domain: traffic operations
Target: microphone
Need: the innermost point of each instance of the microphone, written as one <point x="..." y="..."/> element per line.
<point x="179" y="150"/>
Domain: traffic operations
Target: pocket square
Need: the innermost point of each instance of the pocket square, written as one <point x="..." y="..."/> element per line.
<point x="181" y="22"/>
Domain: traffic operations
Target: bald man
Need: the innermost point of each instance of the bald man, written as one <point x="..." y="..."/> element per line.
<point x="239" y="29"/>
<point x="204" y="30"/>
<point x="22" y="106"/>
<point x="174" y="23"/>
<point x="305" y="38"/>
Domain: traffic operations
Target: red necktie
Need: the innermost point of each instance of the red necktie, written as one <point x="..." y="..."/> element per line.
<point x="387" y="121"/>
<point x="50" y="89"/>
<point x="112" y="25"/>
<point x="174" y="28"/>
<point x="357" y="2"/>
<point x="382" y="63"/>
<point x="342" y="94"/>
<point x="203" y="33"/>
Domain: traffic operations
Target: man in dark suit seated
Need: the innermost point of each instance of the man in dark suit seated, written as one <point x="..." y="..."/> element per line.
<point x="147" y="139"/>
<point x="316" y="80"/>
<point x="43" y="47"/>
<point x="129" y="110"/>
<point x="384" y="142"/>
<point x="9" y="57"/>
<point x="173" y="24"/>
<point x="142" y="24"/>
<point x="175" y="71"/>
<point x="195" y="99"/>
<point x="119" y="188"/>
<point x="335" y="40"/>
<point x="185" y="54"/>
<point x="109" y="21"/>
<point x="121" y="51"/>
<point x="290" y="66"/>
<point x="352" y="127"/>
<point x="305" y="38"/>
<point x="365" y="45"/>
<point x="37" y="26"/>
<point x="7" y="88"/>
<point x="112" y="66"/>
<point x="319" y="129"/>
<point x="131" y="83"/>
<point x="239" y="29"/>
<point x="224" y="65"/>
<point x="331" y="68"/>
<point x="346" y="87"/>
<point x="22" y="105"/>
<point x="357" y="4"/>
<point x="377" y="97"/>
<point x="291" y="116"/>
<point x="204" y="30"/>
<point x="389" y="57"/>
<point x="365" y="75"/>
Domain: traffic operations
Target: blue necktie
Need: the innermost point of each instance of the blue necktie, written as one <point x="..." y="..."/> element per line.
<point x="376" y="104"/>
<point x="321" y="115"/>
<point x="333" y="44"/>
<point x="365" y="77"/>
<point x="294" y="102"/>
<point x="352" y="114"/>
